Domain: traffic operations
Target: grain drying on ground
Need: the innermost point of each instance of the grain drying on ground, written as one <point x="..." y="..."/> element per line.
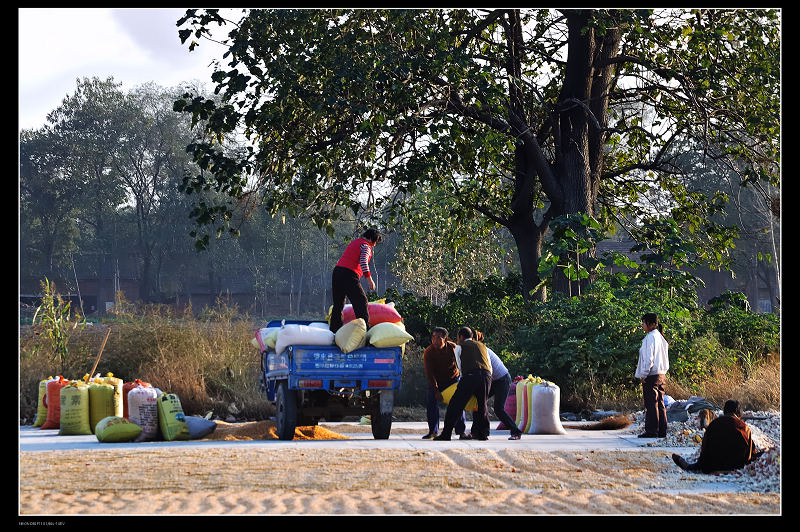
<point x="295" y="481"/>
<point x="219" y="480"/>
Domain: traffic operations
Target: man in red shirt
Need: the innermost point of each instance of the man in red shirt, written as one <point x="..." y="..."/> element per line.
<point x="441" y="371"/>
<point x="346" y="278"/>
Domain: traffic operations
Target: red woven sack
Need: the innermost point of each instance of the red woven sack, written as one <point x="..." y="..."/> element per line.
<point x="52" y="401"/>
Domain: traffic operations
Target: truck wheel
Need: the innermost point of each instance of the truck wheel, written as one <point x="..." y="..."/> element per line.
<point x="285" y="411"/>
<point x="381" y="424"/>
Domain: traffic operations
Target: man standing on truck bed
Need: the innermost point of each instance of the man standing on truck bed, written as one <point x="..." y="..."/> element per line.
<point x="346" y="278"/>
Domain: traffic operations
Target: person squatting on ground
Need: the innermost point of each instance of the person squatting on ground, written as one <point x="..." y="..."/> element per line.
<point x="727" y="444"/>
<point x="501" y="384"/>
<point x="651" y="370"/>
<point x="441" y="371"/>
<point x="476" y="377"/>
<point x="346" y="278"/>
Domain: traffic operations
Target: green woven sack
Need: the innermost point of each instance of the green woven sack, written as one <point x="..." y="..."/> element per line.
<point x="102" y="403"/>
<point x="115" y="429"/>
<point x="171" y="419"/>
<point x="74" y="410"/>
<point x="41" y="407"/>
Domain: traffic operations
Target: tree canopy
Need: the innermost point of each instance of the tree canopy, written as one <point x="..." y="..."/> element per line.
<point x="520" y="116"/>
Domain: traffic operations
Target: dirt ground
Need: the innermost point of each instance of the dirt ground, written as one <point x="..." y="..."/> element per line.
<point x="217" y="480"/>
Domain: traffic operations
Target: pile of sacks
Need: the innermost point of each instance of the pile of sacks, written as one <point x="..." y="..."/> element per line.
<point x="386" y="330"/>
<point x="532" y="402"/>
<point x="115" y="411"/>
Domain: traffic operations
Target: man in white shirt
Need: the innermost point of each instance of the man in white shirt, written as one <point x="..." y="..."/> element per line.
<point x="651" y="369"/>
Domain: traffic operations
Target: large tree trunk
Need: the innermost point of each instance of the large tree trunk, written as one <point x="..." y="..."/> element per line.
<point x="528" y="238"/>
<point x="583" y="108"/>
<point x="528" y="235"/>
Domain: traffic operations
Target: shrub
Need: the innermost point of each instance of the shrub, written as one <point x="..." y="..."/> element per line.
<point x="493" y="305"/>
<point x="748" y="335"/>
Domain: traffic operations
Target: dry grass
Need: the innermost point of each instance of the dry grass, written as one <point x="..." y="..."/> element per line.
<point x="760" y="391"/>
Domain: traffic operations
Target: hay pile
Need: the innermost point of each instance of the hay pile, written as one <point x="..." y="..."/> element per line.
<point x="266" y="430"/>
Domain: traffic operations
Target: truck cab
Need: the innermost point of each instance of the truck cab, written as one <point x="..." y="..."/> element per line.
<point x="307" y="383"/>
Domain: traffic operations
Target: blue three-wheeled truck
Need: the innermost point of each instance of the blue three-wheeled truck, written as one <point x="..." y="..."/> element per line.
<point x="310" y="382"/>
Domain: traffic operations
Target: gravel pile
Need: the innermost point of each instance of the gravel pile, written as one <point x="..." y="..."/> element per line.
<point x="764" y="474"/>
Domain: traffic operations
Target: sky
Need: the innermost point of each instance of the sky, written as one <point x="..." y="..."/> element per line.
<point x="59" y="45"/>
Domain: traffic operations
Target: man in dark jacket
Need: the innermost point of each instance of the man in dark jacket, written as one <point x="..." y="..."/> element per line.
<point x="476" y="378"/>
<point x="727" y="444"/>
<point x="441" y="371"/>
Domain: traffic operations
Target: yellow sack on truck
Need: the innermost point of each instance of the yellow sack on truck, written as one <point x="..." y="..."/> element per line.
<point x="388" y="335"/>
<point x="171" y="419"/>
<point x="75" y="409"/>
<point x="114" y="429"/>
<point x="352" y="335"/>
<point x="101" y="403"/>
<point x="447" y="394"/>
<point x="41" y="406"/>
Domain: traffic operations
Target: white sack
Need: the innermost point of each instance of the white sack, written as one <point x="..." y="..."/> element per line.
<point x="143" y="411"/>
<point x="546" y="399"/>
<point x="293" y="334"/>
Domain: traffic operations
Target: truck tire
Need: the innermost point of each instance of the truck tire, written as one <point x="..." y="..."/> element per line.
<point x="381" y="417"/>
<point x="381" y="425"/>
<point x="285" y="411"/>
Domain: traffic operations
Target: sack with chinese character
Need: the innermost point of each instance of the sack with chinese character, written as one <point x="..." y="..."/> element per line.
<point x="74" y="400"/>
<point x="171" y="419"/>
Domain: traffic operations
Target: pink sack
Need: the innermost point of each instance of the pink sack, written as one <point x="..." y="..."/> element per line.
<point x="511" y="405"/>
<point x="378" y="313"/>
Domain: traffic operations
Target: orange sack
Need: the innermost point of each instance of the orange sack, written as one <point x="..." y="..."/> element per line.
<point x="53" y="402"/>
